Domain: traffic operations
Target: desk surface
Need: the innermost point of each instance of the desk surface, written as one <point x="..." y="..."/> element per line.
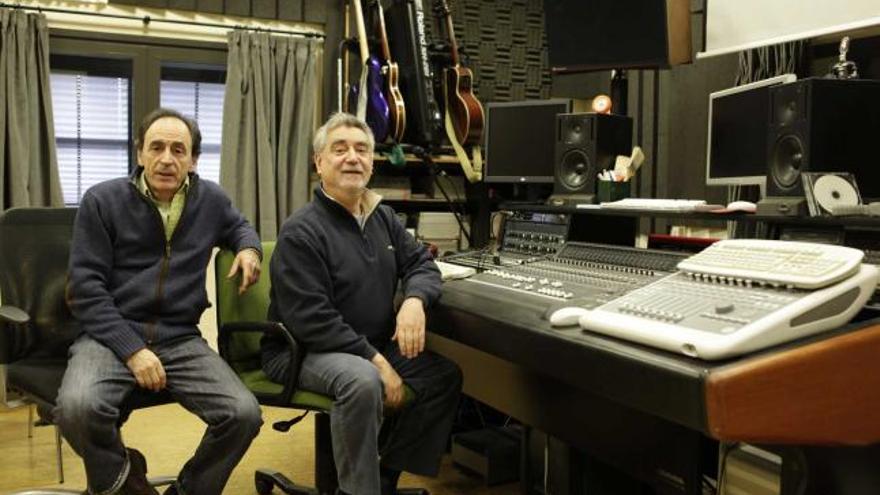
<point x="824" y="389"/>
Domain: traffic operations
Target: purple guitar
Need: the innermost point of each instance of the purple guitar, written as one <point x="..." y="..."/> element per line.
<point x="370" y="103"/>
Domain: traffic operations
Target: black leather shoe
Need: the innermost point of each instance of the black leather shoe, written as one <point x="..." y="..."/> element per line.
<point x="136" y="483"/>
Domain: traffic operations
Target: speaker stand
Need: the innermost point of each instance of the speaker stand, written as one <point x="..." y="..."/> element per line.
<point x="783" y="206"/>
<point x="571" y="199"/>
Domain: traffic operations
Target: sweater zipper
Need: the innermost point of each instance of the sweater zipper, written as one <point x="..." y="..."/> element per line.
<point x="150" y="332"/>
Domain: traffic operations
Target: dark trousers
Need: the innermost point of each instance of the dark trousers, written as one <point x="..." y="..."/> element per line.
<point x="413" y="439"/>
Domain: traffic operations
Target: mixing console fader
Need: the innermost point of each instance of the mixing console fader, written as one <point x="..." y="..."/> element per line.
<point x="584" y="274"/>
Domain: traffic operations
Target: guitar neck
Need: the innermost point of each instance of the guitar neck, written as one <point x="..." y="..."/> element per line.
<point x="383" y="34"/>
<point x="450" y="31"/>
<point x="361" y="31"/>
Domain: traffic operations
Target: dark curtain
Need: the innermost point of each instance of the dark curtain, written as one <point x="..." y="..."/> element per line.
<point x="28" y="162"/>
<point x="268" y="119"/>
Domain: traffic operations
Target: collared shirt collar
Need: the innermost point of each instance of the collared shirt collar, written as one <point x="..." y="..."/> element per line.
<point x="145" y="188"/>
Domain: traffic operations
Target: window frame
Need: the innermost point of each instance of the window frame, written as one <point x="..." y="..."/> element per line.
<point x="147" y="56"/>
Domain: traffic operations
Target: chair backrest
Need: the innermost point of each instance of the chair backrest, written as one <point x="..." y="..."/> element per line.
<point x="34" y="251"/>
<point x="251" y="306"/>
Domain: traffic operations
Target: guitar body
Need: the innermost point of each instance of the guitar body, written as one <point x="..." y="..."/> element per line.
<point x="377" y="106"/>
<point x="464" y="109"/>
<point x="397" y="110"/>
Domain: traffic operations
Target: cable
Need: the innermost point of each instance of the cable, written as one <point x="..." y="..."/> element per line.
<point x="422" y="154"/>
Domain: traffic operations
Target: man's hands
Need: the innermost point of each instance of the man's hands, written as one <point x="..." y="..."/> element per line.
<point x="147" y="370"/>
<point x="248" y="261"/>
<point x="391" y="381"/>
<point x="410" y="332"/>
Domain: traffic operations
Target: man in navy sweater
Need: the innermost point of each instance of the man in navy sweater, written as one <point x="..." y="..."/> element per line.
<point x="334" y="274"/>
<point x="138" y="259"/>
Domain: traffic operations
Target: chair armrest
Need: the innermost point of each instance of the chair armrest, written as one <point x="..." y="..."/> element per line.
<point x="11" y="317"/>
<point x="12" y="314"/>
<point x="271" y="327"/>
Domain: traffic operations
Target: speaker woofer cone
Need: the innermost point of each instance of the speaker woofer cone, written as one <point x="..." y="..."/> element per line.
<point x="786" y="162"/>
<point x="574" y="169"/>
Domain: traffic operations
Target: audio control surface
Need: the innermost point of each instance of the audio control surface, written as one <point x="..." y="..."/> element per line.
<point x="590" y="274"/>
<point x="721" y="305"/>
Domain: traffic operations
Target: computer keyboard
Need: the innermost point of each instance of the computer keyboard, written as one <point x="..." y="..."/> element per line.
<point x="654" y="204"/>
<point x="788" y="263"/>
<point x="449" y="271"/>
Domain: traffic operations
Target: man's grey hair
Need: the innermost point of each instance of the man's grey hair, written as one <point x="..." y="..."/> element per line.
<point x="341" y="119"/>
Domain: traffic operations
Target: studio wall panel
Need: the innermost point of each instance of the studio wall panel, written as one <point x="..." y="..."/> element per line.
<point x="210" y="6"/>
<point x="237" y="7"/>
<point x="316" y="10"/>
<point x="290" y="10"/>
<point x="265" y="9"/>
<point x="182" y="4"/>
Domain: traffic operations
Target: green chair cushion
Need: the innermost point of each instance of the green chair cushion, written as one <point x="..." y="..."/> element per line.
<point x="244" y="348"/>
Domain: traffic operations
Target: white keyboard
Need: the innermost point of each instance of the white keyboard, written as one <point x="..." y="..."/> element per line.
<point x="654" y="204"/>
<point x="782" y="263"/>
<point x="451" y="271"/>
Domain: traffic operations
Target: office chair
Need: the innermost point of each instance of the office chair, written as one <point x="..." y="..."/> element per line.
<point x="241" y="320"/>
<point x="36" y="327"/>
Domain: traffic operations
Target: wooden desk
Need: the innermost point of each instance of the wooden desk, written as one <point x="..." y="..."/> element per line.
<point x="652" y="413"/>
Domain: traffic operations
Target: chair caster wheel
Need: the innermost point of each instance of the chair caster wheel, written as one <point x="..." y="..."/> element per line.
<point x="263" y="483"/>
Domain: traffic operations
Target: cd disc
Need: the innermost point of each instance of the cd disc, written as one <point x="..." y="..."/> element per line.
<point x="831" y="191"/>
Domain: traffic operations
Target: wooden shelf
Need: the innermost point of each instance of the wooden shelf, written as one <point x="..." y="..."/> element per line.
<point x="414" y="160"/>
<point x="422" y="204"/>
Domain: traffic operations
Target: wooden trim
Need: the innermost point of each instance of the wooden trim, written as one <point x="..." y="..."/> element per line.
<point x="827" y="393"/>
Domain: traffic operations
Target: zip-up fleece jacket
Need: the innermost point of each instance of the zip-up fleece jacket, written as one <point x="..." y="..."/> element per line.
<point x="130" y="288"/>
<point x="333" y="284"/>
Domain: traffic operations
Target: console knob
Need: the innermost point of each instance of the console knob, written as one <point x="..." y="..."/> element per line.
<point x="724" y="308"/>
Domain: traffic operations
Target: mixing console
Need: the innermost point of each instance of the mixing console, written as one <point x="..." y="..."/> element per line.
<point x="585" y="274"/>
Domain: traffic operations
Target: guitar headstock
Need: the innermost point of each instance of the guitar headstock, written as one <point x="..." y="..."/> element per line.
<point x="441" y="8"/>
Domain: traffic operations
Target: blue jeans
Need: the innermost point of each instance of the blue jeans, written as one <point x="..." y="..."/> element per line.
<point x="411" y="440"/>
<point x="97" y="383"/>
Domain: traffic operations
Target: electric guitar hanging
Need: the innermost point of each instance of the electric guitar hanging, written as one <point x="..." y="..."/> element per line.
<point x="371" y="103"/>
<point x="463" y="106"/>
<point x="397" y="109"/>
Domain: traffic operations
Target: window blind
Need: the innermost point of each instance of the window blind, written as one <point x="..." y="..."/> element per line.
<point x="202" y="101"/>
<point x="91" y="130"/>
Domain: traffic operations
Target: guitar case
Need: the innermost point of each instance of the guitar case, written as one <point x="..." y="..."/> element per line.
<point x="409" y="47"/>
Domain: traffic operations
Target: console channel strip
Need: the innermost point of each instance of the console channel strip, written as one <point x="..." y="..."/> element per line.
<point x="526" y="237"/>
<point x="534" y="234"/>
<point x="587" y="275"/>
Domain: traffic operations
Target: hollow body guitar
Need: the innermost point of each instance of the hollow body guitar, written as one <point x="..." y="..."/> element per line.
<point x="368" y="95"/>
<point x="396" y="107"/>
<point x="465" y="110"/>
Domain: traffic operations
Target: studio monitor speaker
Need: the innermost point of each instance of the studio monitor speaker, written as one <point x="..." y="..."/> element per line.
<point x="587" y="143"/>
<point x="823" y="125"/>
<point x="587" y="35"/>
